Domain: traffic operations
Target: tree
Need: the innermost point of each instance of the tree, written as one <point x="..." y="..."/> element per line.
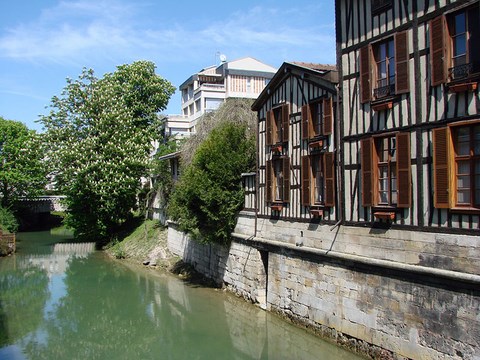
<point x="99" y="134"/>
<point x="21" y="172"/>
<point x="209" y="195"/>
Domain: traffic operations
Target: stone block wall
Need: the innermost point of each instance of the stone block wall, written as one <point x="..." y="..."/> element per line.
<point x="371" y="290"/>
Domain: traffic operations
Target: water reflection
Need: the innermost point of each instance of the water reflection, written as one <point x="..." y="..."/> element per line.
<point x="77" y="304"/>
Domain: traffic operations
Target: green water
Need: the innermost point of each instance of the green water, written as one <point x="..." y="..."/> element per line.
<point x="61" y="300"/>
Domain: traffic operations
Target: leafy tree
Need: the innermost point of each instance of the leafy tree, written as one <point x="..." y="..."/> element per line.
<point x="99" y="134"/>
<point x="209" y="194"/>
<point x="21" y="170"/>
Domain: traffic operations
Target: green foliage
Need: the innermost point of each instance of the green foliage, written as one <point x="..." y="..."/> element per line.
<point x="209" y="195"/>
<point x="8" y="221"/>
<point x="21" y="172"/>
<point x="99" y="135"/>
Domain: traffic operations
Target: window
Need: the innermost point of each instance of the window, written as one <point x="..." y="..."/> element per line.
<point x="384" y="68"/>
<point x="278" y="180"/>
<point x="387" y="170"/>
<point x="386" y="173"/>
<point x="454" y="50"/>
<point x="278" y="125"/>
<point x="384" y="55"/>
<point x="318" y="183"/>
<point x="317" y="118"/>
<point x="456" y="155"/>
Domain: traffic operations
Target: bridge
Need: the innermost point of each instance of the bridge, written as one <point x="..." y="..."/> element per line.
<point x="43" y="204"/>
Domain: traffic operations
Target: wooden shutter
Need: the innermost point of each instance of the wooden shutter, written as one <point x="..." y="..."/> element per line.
<point x="367" y="172"/>
<point x="306" y="120"/>
<point x="366" y="93"/>
<point x="306" y="180"/>
<point x="404" y="184"/>
<point x="329" y="171"/>
<point x="401" y="62"/>
<point x="268" y="181"/>
<point x="438" y="54"/>
<point x="285" y="123"/>
<point x="327" y="116"/>
<point x="440" y="167"/>
<point x="286" y="179"/>
<point x="269" y="128"/>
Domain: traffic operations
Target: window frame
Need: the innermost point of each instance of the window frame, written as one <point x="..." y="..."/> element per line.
<point x="368" y="69"/>
<point x="326" y="159"/>
<point x="277" y="125"/>
<point x="442" y="53"/>
<point x="273" y="181"/>
<point x="370" y="174"/>
<point x="308" y="112"/>
<point x="445" y="173"/>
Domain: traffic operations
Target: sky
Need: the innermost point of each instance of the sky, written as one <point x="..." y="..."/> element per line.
<point x="43" y="42"/>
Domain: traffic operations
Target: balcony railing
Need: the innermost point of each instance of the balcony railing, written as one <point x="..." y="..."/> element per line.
<point x="383" y="91"/>
<point x="463" y="71"/>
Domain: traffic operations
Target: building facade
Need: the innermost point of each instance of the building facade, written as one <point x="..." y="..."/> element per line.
<point x="206" y="90"/>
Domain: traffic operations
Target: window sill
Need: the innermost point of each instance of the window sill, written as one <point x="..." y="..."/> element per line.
<point x="465" y="210"/>
<point x="457" y="88"/>
<point x="276" y="207"/>
<point x="316" y="144"/>
<point x="384" y="215"/>
<point x="316" y="213"/>
<point x="277" y="148"/>
<point x="382" y="106"/>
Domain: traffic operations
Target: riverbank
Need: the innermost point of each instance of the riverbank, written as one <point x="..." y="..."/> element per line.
<point x="147" y="245"/>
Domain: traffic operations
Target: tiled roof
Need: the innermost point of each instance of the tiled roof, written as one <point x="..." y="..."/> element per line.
<point x="313" y="66"/>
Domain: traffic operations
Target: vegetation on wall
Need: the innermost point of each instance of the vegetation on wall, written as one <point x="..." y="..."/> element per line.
<point x="209" y="194"/>
<point x="99" y="135"/>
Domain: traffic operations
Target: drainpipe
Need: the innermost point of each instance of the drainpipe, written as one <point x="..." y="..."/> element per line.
<point x="339" y="150"/>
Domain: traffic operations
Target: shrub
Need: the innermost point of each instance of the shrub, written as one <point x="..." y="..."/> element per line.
<point x="209" y="195"/>
<point x="8" y="221"/>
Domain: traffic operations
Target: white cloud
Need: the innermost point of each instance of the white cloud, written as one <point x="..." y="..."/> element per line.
<point x="84" y="31"/>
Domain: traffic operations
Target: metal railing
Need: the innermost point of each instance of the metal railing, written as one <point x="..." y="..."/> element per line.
<point x="462" y="71"/>
<point x="383" y="91"/>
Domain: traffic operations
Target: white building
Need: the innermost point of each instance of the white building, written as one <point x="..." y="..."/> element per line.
<point x="207" y="89"/>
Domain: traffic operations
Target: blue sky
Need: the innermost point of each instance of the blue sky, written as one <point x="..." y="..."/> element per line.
<point x="42" y="42"/>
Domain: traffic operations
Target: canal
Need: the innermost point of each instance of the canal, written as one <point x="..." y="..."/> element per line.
<point x="63" y="300"/>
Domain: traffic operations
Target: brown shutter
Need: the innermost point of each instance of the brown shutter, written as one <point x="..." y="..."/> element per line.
<point x="306" y="119"/>
<point x="404" y="184"/>
<point x="440" y="168"/>
<point x="269" y="128"/>
<point x="305" y="180"/>
<point x="329" y="166"/>
<point x="438" y="58"/>
<point x="366" y="93"/>
<point x="286" y="179"/>
<point x="285" y="123"/>
<point x="367" y="172"/>
<point x="268" y="181"/>
<point x="327" y="116"/>
<point x="401" y="62"/>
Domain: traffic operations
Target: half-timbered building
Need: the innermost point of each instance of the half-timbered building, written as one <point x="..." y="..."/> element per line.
<point x="296" y="144"/>
<point x="410" y="138"/>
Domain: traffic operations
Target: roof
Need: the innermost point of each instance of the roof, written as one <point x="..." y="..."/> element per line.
<point x="314" y="66"/>
<point x="170" y="156"/>
<point x="326" y="76"/>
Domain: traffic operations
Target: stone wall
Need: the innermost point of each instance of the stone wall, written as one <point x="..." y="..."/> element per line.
<point x="383" y="301"/>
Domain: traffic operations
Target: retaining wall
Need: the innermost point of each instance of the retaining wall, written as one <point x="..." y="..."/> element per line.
<point x="381" y="303"/>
